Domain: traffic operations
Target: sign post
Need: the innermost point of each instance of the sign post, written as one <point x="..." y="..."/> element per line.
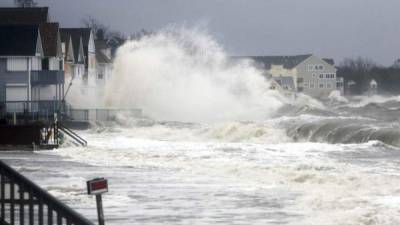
<point x="97" y="187"/>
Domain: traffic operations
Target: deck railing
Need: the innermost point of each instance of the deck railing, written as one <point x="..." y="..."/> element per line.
<point x="23" y="111"/>
<point x="101" y="115"/>
<point x="23" y="202"/>
<point x="47" y="77"/>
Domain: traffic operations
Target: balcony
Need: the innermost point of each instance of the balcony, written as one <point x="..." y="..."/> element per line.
<point x="47" y="77"/>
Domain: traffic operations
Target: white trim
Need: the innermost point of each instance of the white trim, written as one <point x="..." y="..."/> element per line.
<point x="17" y="56"/>
<point x="16" y="85"/>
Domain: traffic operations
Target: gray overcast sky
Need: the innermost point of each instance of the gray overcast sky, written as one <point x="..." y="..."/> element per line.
<point x="327" y="28"/>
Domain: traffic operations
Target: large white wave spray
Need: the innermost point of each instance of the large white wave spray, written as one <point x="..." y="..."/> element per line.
<point x="184" y="75"/>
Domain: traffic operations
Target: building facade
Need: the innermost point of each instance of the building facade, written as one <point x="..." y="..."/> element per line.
<point x="24" y="76"/>
<point x="31" y="61"/>
<point x="311" y="75"/>
<point x="80" y="62"/>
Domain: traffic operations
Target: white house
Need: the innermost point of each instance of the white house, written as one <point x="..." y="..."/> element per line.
<point x="27" y="73"/>
<point x="312" y="75"/>
<point x="79" y="43"/>
<point x="104" y="64"/>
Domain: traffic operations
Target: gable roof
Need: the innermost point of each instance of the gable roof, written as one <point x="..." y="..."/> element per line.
<point x="18" y="40"/>
<point x="32" y="15"/>
<point x="100" y="56"/>
<point x="288" y="62"/>
<point x="78" y="34"/>
<point x="329" y="61"/>
<point x="69" y="54"/>
<point x="285" y="81"/>
<point x="75" y="41"/>
<point x="38" y="16"/>
<point x="50" y="39"/>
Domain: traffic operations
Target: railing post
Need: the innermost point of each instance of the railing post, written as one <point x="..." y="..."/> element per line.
<point x="31" y="211"/>
<point x="97" y="187"/>
<point x="12" y="201"/>
<point x="2" y="194"/>
<point x="21" y="205"/>
<point x="25" y="194"/>
<point x="100" y="213"/>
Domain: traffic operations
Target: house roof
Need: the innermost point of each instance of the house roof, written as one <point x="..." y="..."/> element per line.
<point x="288" y="62"/>
<point x="329" y="61"/>
<point x="285" y="81"/>
<point x="76" y="40"/>
<point x="32" y="15"/>
<point x="76" y="34"/>
<point x="115" y="43"/>
<point x="49" y="34"/>
<point x="100" y="56"/>
<point x="65" y="37"/>
<point x="18" y="40"/>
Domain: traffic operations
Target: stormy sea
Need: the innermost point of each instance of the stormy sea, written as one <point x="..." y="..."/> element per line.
<point x="216" y="146"/>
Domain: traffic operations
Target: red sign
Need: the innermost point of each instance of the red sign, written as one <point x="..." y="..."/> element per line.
<point x="97" y="186"/>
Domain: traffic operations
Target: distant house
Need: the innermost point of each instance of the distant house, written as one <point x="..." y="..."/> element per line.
<point x="286" y="82"/>
<point x="115" y="43"/>
<point x="83" y="40"/>
<point x="311" y="75"/>
<point x="79" y="45"/>
<point x="74" y="57"/>
<point x="104" y="64"/>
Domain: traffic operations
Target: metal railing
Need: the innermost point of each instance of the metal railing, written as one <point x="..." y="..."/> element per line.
<point x="24" y="202"/>
<point x="101" y="115"/>
<point x="26" y="111"/>
<point x="78" y="139"/>
<point x="47" y="77"/>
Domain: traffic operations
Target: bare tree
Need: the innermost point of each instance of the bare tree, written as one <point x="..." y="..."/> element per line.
<point x="358" y="71"/>
<point x="25" y="3"/>
<point x="97" y="27"/>
<point x="358" y="64"/>
<point x="100" y="30"/>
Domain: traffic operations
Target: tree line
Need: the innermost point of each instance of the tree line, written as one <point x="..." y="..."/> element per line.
<point x="359" y="72"/>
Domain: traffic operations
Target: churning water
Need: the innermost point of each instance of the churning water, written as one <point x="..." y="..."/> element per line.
<point x="219" y="147"/>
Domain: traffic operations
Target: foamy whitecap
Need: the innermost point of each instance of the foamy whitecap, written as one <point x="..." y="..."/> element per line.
<point x="182" y="74"/>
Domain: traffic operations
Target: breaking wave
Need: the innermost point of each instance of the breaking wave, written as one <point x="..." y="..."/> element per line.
<point x="336" y="130"/>
<point x="181" y="74"/>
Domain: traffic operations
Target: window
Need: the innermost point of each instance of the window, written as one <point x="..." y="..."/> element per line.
<point x="17" y="64"/>
<point x="327" y="76"/>
<point x="45" y="64"/>
<point x="100" y="76"/>
<point x="16" y="92"/>
<point x="315" y="67"/>
<point x="321" y="76"/>
<point x="321" y="85"/>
